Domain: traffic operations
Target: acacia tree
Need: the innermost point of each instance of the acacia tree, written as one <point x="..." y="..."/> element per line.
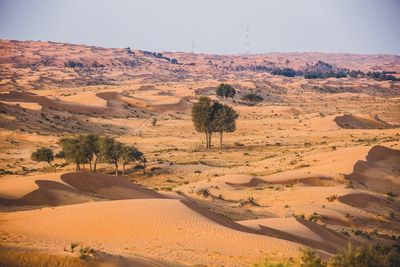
<point x="209" y="117"/>
<point x="111" y="151"/>
<point x="223" y="119"/>
<point x="226" y="90"/>
<point x="74" y="151"/>
<point x="91" y="147"/>
<point x="44" y="154"/>
<point x="130" y="154"/>
<point x="201" y="117"/>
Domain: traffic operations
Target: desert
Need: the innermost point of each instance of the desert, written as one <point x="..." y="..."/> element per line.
<point x="131" y="157"/>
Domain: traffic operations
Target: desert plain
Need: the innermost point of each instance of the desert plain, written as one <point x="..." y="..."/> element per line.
<point x="315" y="164"/>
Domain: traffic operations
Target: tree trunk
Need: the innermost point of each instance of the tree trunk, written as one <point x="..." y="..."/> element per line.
<point x="209" y="140"/>
<point x="78" y="167"/>
<point x="123" y="170"/>
<point x="51" y="165"/>
<point x="220" y="140"/>
<point x="206" y="140"/>
<point x="95" y="164"/>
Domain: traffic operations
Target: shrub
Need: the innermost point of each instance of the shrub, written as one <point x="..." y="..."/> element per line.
<point x="332" y="198"/>
<point x="310" y="259"/>
<point x="203" y="192"/>
<point x="363" y="256"/>
<point x="154" y="121"/>
<point x="252" y="97"/>
<point x="226" y="90"/>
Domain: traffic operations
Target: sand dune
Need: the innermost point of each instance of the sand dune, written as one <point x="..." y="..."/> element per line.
<point x="107" y="186"/>
<point x="281" y="178"/>
<point x="27" y="105"/>
<point x="379" y="172"/>
<point x="162" y="228"/>
<point x="30" y="257"/>
<point x="372" y="203"/>
<point x="300" y="231"/>
<point x="356" y="122"/>
<point x="44" y="101"/>
<point x="84" y="98"/>
<point x="71" y="188"/>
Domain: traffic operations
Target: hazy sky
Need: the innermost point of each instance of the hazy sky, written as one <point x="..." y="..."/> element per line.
<point x="214" y="26"/>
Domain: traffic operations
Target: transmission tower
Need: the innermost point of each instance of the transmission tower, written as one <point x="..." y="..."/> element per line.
<point x="247" y="44"/>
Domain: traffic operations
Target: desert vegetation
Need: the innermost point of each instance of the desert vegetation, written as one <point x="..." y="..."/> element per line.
<point x="213" y="117"/>
<point x="91" y="149"/>
<point x="225" y="90"/>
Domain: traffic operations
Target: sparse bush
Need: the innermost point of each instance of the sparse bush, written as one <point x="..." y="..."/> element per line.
<point x="314" y="217"/>
<point x="332" y="198"/>
<point x="252" y="97"/>
<point x="203" y="192"/>
<point x="310" y="259"/>
<point x="154" y="121"/>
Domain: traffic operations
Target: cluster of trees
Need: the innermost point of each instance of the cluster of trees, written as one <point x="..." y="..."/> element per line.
<point x="73" y="64"/>
<point x="323" y="75"/>
<point x="382" y="76"/>
<point x="160" y="56"/>
<point x="226" y="90"/>
<point x="287" y="72"/>
<point x="213" y="117"/>
<point x="322" y="70"/>
<point x="376" y="75"/>
<point x="92" y="149"/>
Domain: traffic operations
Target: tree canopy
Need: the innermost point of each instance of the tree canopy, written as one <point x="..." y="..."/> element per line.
<point x="74" y="151"/>
<point x="93" y="149"/>
<point x="209" y="117"/>
<point x="224" y="119"/>
<point x="44" y="154"/>
<point x="226" y="90"/>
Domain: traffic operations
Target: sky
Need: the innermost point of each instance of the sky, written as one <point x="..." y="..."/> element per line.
<point x="210" y="26"/>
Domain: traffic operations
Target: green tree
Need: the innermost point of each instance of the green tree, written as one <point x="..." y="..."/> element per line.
<point x="226" y="90"/>
<point x="74" y="151"/>
<point x="130" y="154"/>
<point x="223" y="119"/>
<point x="111" y="151"/>
<point x="202" y="118"/>
<point x="91" y="147"/>
<point x="44" y="154"/>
